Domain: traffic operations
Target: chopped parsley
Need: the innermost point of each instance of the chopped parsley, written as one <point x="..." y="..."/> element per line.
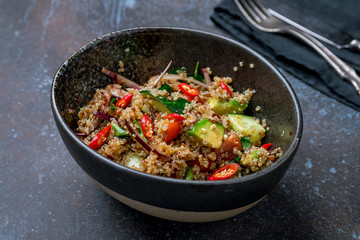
<point x="245" y="142"/>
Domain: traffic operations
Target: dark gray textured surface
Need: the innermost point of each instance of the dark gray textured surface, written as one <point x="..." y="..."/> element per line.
<point x="45" y="195"/>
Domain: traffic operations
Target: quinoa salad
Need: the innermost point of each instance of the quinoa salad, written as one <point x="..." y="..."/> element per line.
<point x="178" y="124"/>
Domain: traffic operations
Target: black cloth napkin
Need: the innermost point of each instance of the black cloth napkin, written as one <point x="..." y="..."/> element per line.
<point x="292" y="54"/>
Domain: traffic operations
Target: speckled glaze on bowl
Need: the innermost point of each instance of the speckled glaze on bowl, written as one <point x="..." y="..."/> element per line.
<point x="150" y="51"/>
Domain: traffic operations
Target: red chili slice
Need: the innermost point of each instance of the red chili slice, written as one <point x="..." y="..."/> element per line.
<point x="226" y="88"/>
<point x="189" y="98"/>
<point x="175" y="116"/>
<point x="224" y="172"/>
<point x="189" y="90"/>
<point x="266" y="146"/>
<point x="147" y="126"/>
<point x="124" y="101"/>
<point x="100" y="138"/>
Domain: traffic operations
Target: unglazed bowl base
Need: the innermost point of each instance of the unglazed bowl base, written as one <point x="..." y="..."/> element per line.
<point x="175" y="215"/>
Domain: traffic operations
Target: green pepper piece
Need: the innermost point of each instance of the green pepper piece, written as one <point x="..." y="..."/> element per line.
<point x="189" y="175"/>
<point x="119" y="132"/>
<point x="141" y="131"/>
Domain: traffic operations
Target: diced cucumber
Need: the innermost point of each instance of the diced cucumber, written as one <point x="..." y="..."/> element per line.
<point x="236" y="107"/>
<point x="208" y="133"/>
<point x="222" y="107"/>
<point x="247" y="126"/>
<point x="219" y="106"/>
<point x="155" y="103"/>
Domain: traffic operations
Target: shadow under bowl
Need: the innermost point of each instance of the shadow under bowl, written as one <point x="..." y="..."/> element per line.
<point x="145" y="52"/>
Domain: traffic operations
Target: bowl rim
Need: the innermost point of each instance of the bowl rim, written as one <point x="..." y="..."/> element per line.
<point x="154" y="178"/>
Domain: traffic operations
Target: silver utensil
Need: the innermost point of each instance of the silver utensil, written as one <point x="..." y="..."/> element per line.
<point x="323" y="31"/>
<point x="261" y="18"/>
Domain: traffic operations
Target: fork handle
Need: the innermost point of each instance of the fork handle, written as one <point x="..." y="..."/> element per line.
<point x="343" y="69"/>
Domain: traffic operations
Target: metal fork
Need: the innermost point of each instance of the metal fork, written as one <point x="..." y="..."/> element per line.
<point x="261" y="18"/>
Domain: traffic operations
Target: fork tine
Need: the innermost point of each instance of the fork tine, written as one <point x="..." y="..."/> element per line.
<point x="251" y="13"/>
<point x="262" y="8"/>
<point x="255" y="10"/>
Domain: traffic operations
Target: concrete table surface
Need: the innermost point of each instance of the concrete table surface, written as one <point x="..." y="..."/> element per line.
<point x="45" y="195"/>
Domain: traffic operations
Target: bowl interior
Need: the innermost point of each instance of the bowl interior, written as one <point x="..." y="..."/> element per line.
<point x="146" y="52"/>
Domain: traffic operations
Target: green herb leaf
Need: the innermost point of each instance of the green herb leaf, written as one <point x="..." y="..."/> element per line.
<point x="176" y="70"/>
<point x="166" y="87"/>
<point x="245" y="142"/>
<point x="236" y="160"/>
<point x="119" y="132"/>
<point x="175" y="106"/>
<point x="199" y="78"/>
<point x="196" y="75"/>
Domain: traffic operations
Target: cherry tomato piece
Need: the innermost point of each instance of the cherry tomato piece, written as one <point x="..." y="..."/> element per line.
<point x="224" y="172"/>
<point x="100" y="138"/>
<point x="124" y="101"/>
<point x="147" y="126"/>
<point x="266" y="146"/>
<point x="188" y="90"/>
<point x="226" y="88"/>
<point x="226" y="149"/>
<point x="175" y="116"/>
<point x="172" y="131"/>
<point x="197" y="162"/>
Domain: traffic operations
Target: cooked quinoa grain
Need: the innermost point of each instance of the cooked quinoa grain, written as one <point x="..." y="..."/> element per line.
<point x="176" y="127"/>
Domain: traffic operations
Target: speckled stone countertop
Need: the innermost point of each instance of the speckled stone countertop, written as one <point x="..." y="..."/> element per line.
<point x="45" y="195"/>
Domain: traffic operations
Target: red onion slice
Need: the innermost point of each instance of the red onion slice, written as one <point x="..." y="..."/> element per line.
<point x="163" y="73"/>
<point x="116" y="92"/>
<point x="107" y="98"/>
<point x="140" y="140"/>
<point x="103" y="116"/>
<point x="188" y="79"/>
<point x="206" y="76"/>
<point x="80" y="134"/>
<point x="137" y="136"/>
<point x="120" y="79"/>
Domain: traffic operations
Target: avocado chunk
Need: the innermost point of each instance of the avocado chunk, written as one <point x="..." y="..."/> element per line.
<point x="247" y="126"/>
<point x="223" y="107"/>
<point x="208" y="133"/>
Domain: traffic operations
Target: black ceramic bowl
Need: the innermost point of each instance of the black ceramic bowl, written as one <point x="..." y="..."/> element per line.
<point x="150" y="51"/>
